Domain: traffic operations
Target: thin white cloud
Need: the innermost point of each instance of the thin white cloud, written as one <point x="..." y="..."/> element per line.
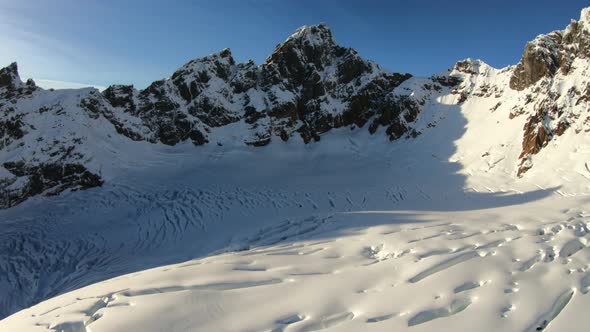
<point x="40" y="53"/>
<point x="34" y="51"/>
<point x="59" y="85"/>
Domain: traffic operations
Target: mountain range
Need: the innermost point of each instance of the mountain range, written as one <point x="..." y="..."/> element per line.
<point x="54" y="140"/>
<point x="227" y="196"/>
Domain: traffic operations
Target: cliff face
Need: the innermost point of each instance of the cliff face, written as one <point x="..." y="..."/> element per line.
<point x="553" y="76"/>
<point x="553" y="53"/>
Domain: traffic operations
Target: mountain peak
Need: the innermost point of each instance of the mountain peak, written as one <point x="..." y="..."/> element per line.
<point x="224" y="53"/>
<point x="312" y="35"/>
<point x="553" y="52"/>
<point x="307" y="48"/>
<point x="13" y="67"/>
<point x="218" y="64"/>
<point x="471" y="66"/>
<point x="9" y="75"/>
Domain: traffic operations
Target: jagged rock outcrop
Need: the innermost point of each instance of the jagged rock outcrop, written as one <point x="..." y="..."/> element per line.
<point x="541" y="58"/>
<point x="47" y="178"/>
<point x="551" y="63"/>
<point x="11" y="86"/>
<point x="553" y="52"/>
<point x="54" y="164"/>
<point x="9" y="76"/>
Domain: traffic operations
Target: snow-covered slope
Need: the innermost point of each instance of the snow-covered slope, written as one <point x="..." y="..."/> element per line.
<point x="500" y="269"/>
<point x="313" y="191"/>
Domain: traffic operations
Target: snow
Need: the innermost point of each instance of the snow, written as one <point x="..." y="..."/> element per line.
<point x="59" y="85"/>
<point x="585" y="18"/>
<point x="310" y="35"/>
<point x="4" y="173"/>
<point x="316" y="276"/>
<point x="353" y="233"/>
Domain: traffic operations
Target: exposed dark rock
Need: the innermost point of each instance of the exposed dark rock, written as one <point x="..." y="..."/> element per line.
<point x="92" y="106"/>
<point x="121" y="96"/>
<point x="251" y="115"/>
<point x="11" y="129"/>
<point x="546" y="58"/>
<point x="8" y="76"/>
<point x="466" y="66"/>
<point x="47" y="179"/>
<point x="352" y="67"/>
<point x="562" y="126"/>
<point x="260" y="141"/>
<point x="462" y="97"/>
<point x="540" y="59"/>
<point x="535" y="137"/>
<point x="547" y="54"/>
<point x="448" y="81"/>
<point x="11" y="85"/>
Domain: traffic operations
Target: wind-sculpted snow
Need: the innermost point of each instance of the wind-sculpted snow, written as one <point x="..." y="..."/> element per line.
<point x="142" y="220"/>
<point x="169" y="205"/>
<point x="41" y="257"/>
<point x="315" y="273"/>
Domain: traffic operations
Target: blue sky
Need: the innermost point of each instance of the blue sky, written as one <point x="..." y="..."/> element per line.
<point x="104" y="42"/>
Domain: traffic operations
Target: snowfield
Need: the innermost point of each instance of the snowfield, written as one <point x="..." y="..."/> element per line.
<point x="512" y="268"/>
<point x="464" y="206"/>
<point x="356" y="233"/>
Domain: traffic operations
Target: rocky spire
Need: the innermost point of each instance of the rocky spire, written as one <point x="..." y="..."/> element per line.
<point x="9" y="76"/>
<point x="549" y="53"/>
<point x="308" y="46"/>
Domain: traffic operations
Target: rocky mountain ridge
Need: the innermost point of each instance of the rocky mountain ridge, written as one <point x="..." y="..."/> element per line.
<point x="550" y="63"/>
<point x="53" y="141"/>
